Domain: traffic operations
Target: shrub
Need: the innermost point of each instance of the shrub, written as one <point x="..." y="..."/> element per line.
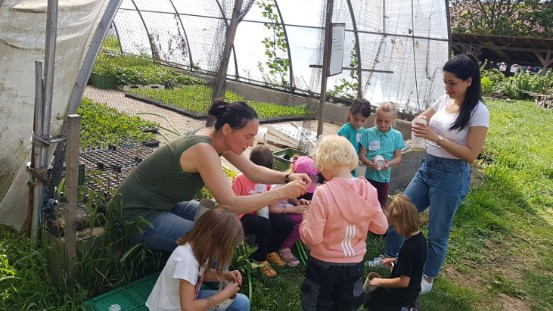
<point x="487" y="86"/>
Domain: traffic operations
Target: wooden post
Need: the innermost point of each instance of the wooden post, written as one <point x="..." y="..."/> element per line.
<point x="326" y="63"/>
<point x="72" y="180"/>
<point x="219" y="84"/>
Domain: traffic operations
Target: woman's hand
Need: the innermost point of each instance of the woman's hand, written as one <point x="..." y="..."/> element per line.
<point x="423" y="130"/>
<point x="300" y="176"/>
<point x="233" y="276"/>
<point x="294" y="188"/>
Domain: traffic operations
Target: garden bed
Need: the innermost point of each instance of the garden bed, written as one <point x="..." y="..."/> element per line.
<point x="194" y="101"/>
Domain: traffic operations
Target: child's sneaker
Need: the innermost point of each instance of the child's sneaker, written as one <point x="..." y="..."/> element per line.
<point x="274" y="258"/>
<point x="375" y="263"/>
<point x="266" y="269"/>
<point x="286" y="254"/>
<point x="425" y="286"/>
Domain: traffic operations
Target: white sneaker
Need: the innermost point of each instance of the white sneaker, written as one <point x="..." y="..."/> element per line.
<point x="425" y="286"/>
<point x="375" y="263"/>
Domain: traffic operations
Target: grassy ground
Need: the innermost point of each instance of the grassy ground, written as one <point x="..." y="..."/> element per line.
<point x="501" y="247"/>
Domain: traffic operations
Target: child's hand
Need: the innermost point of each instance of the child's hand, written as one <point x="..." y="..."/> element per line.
<point x="372" y="165"/>
<point x="233" y="276"/>
<point x="230" y="290"/>
<point x="299" y="209"/>
<point x="377" y="282"/>
<point x="388" y="262"/>
<point x="302" y="202"/>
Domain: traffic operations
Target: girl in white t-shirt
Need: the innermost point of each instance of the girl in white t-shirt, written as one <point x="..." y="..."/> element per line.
<point x="210" y="243"/>
<point x="457" y="127"/>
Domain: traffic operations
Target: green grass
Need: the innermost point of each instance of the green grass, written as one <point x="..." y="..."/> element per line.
<point x="500" y="254"/>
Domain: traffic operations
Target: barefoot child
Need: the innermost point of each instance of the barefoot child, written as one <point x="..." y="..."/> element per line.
<point x="211" y="240"/>
<point x="404" y="284"/>
<point x="342" y="211"/>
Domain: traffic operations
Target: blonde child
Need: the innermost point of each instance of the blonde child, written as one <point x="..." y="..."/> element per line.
<point x="211" y="241"/>
<point x="358" y="113"/>
<point x="269" y="232"/>
<point x="342" y="211"/>
<point x="404" y="284"/>
<point x="381" y="140"/>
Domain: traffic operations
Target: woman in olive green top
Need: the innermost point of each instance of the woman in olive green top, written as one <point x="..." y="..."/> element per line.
<point x="162" y="188"/>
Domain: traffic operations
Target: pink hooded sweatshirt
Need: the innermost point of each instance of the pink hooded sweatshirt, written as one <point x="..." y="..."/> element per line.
<point x="342" y="212"/>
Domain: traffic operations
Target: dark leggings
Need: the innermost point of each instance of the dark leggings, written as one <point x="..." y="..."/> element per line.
<point x="269" y="233"/>
<point x="382" y="189"/>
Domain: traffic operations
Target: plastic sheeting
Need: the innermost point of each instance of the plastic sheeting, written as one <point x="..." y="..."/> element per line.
<point x="22" y="42"/>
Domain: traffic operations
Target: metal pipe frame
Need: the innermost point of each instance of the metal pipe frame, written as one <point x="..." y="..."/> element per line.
<point x="300" y="26"/>
<point x="90" y="57"/>
<point x="357" y="50"/>
<point x="184" y="33"/>
<point x="233" y="50"/>
<point x="38" y="189"/>
<point x="145" y="28"/>
<point x="290" y="67"/>
<point x="118" y="37"/>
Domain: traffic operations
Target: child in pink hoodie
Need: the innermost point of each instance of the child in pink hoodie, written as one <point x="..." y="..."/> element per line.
<point x="335" y="227"/>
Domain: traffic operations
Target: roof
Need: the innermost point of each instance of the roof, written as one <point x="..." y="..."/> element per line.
<point x="512" y="50"/>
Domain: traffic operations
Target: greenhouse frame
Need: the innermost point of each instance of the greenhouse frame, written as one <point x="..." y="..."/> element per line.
<point x="393" y="50"/>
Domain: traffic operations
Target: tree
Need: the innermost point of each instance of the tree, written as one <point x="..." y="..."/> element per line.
<point x="503" y="17"/>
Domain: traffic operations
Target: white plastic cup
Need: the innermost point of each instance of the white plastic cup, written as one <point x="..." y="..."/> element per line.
<point x="263" y="212"/>
<point x="260" y="188"/>
<point x="379" y="160"/>
<point x="418" y="143"/>
<point x="205" y="205"/>
<point x="371" y="276"/>
<point x="360" y="171"/>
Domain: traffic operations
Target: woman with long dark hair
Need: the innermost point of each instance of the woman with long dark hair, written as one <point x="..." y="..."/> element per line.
<point x="457" y="127"/>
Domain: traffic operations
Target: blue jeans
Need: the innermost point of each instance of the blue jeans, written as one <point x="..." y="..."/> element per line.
<point x="168" y="227"/>
<point x="440" y="184"/>
<point x="241" y="303"/>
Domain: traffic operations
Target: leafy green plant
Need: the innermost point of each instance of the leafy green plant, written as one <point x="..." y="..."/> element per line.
<point x="102" y="125"/>
<point x="111" y="44"/>
<point x="487" y="86"/>
<point x="241" y="261"/>
<point x="196" y="99"/>
<point x="276" y="48"/>
<point x="520" y="86"/>
<point x="135" y="70"/>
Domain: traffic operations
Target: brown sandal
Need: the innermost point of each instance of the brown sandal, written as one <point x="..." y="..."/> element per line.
<point x="267" y="269"/>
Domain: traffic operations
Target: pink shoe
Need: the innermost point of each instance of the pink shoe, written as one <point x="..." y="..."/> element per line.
<point x="286" y="255"/>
